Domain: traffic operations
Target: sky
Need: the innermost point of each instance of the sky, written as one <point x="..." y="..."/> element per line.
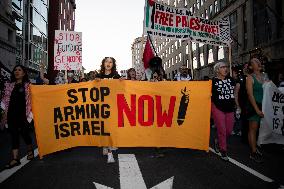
<point x="109" y="27"/>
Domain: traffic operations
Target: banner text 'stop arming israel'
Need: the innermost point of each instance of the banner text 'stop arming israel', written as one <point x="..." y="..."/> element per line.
<point x="179" y="23"/>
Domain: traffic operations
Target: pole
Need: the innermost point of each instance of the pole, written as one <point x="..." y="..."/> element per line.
<point x="190" y="58"/>
<point x="230" y="59"/>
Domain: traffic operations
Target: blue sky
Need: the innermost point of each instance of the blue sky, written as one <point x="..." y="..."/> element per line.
<point x="109" y="28"/>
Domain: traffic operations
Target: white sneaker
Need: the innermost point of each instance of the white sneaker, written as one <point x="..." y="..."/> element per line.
<point x="105" y="151"/>
<point x="110" y="158"/>
<point x="112" y="148"/>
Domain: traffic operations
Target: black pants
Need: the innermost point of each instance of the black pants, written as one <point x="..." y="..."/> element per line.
<point x="16" y="128"/>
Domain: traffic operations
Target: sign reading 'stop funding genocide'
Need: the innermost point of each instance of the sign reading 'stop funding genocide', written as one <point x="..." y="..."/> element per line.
<point x="67" y="50"/>
<point x="180" y="23"/>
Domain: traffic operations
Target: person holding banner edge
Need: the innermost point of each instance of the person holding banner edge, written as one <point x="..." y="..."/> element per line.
<point x="254" y="88"/>
<point x="16" y="104"/>
<point x="108" y="71"/>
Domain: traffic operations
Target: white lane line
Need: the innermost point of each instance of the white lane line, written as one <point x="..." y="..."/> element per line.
<point x="129" y="172"/>
<point x="246" y="168"/>
<point x="9" y="172"/>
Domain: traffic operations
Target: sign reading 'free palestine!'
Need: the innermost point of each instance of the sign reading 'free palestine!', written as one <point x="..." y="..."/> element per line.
<point x="122" y="114"/>
<point x="179" y="23"/>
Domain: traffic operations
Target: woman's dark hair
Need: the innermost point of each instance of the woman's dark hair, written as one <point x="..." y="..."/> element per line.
<point x="113" y="69"/>
<point x="83" y="79"/>
<point x="25" y="78"/>
<point x="128" y="73"/>
<point x="159" y="78"/>
<point x="250" y="71"/>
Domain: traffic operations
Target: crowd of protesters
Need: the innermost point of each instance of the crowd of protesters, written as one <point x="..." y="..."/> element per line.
<point x="236" y="102"/>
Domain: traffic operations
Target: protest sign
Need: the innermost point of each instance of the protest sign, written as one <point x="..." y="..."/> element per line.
<point x="179" y="23"/>
<point x="122" y="114"/>
<point x="67" y="50"/>
<point x="272" y="125"/>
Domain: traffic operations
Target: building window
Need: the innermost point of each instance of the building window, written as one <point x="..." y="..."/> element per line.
<point x="193" y="46"/>
<point x="185" y="3"/>
<point x="179" y="55"/>
<point x="187" y="49"/>
<point x="223" y="3"/>
<point x="221" y="53"/>
<point x="176" y="59"/>
<point x="194" y="62"/>
<point x="234" y="31"/>
<point x="201" y="3"/>
<point x="211" y="11"/>
<point x="206" y="13"/>
<point x="197" y="4"/>
<point x="216" y="6"/>
<point x="210" y="56"/>
<point x="61" y="8"/>
<point x="201" y="59"/>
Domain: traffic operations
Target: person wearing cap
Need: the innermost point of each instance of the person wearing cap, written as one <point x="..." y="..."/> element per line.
<point x="183" y="74"/>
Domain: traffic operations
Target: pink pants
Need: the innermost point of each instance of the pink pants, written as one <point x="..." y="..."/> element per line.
<point x="224" y="123"/>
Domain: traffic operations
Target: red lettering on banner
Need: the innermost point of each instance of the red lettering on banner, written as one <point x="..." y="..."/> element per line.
<point x="178" y="20"/>
<point x="129" y="112"/>
<point x="194" y="24"/>
<point x="184" y="21"/>
<point x="150" y="110"/>
<point x="163" y="116"/>
<point x="164" y="19"/>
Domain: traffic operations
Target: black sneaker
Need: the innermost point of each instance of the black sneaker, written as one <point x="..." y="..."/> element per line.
<point x="216" y="146"/>
<point x="258" y="151"/>
<point x="256" y="157"/>
<point x="224" y="156"/>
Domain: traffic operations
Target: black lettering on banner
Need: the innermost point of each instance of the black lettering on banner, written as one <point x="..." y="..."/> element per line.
<point x="83" y="91"/>
<point x="97" y="95"/>
<point x="103" y="130"/>
<point x="68" y="111"/>
<point x="80" y="111"/>
<point x="75" y="98"/>
<point x="56" y="131"/>
<point x="88" y="110"/>
<point x="75" y="126"/>
<point x="275" y="109"/>
<point x="57" y="115"/>
<point x="278" y="97"/>
<point x="95" y="110"/>
<point x="105" y="91"/>
<point x="64" y="132"/>
<point x="104" y="112"/>
<point x="86" y="128"/>
<point x="276" y="122"/>
<point x="94" y="128"/>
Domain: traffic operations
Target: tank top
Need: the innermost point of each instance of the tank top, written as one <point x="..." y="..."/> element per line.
<point x="257" y="90"/>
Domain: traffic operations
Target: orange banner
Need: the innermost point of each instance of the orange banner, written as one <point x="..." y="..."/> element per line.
<point x="122" y="114"/>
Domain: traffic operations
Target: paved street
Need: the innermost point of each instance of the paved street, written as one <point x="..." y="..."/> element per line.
<point x="81" y="167"/>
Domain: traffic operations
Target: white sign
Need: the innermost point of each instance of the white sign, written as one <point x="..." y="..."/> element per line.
<point x="67" y="50"/>
<point x="272" y="125"/>
<point x="131" y="176"/>
<point x="177" y="23"/>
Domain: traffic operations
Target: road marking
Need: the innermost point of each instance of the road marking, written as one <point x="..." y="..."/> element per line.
<point x="131" y="176"/>
<point x="246" y="168"/>
<point x="9" y="172"/>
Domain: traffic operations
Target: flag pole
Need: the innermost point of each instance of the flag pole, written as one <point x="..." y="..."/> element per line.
<point x="190" y="58"/>
<point x="148" y="35"/>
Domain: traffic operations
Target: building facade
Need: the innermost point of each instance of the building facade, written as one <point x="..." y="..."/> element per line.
<point x="137" y="49"/>
<point x="256" y="28"/>
<point x="26" y="33"/>
<point x="7" y="36"/>
<point x="61" y="17"/>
